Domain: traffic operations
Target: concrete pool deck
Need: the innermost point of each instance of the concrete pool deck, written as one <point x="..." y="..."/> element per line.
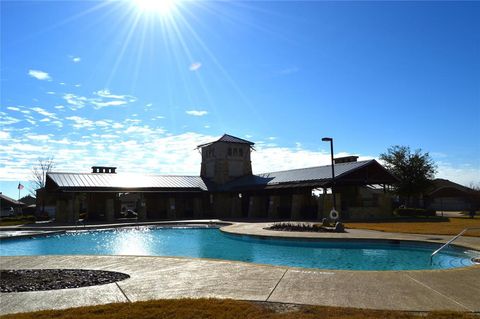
<point x="172" y="277"/>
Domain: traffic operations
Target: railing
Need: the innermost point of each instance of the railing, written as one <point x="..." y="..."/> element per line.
<point x="450" y="241"/>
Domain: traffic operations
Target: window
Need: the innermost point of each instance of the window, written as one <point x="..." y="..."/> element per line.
<point x="210" y="153"/>
<point x="229" y="151"/>
<point x="235" y="152"/>
<point x="240" y="152"/>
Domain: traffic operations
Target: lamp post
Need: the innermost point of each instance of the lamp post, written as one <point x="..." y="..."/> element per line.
<point x="329" y="139"/>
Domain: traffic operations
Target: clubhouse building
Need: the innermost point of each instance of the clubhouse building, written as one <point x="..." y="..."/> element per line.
<point x="226" y="188"/>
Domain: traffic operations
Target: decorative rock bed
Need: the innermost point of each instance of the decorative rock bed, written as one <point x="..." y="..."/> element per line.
<point x="50" y="279"/>
<point x="325" y="227"/>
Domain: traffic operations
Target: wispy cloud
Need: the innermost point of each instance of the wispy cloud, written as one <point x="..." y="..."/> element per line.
<point x="39" y="75"/>
<point x="99" y="105"/>
<point x="462" y="174"/>
<point x="75" y="102"/>
<point x="195" y="66"/>
<point x="196" y="113"/>
<point x="107" y="94"/>
<point x="80" y="122"/>
<point x="8" y="120"/>
<point x="101" y="99"/>
<point x="38" y="137"/>
<point x="4" y="135"/>
<point x="43" y="112"/>
<point x="75" y="59"/>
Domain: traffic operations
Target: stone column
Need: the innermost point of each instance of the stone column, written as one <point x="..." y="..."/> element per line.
<point x="327" y="204"/>
<point x="222" y="205"/>
<point x="171" y="208"/>
<point x="179" y="207"/>
<point x="320" y="209"/>
<point x="385" y="205"/>
<point x="236" y="209"/>
<point x="256" y="208"/>
<point x="297" y="203"/>
<point x="142" y="210"/>
<point x="71" y="209"/>
<point x="274" y="202"/>
<point x="75" y="209"/>
<point x="109" y="210"/>
<point x="61" y="211"/>
<point x="197" y="207"/>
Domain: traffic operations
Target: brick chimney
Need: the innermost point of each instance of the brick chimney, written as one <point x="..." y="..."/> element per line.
<point x="103" y="169"/>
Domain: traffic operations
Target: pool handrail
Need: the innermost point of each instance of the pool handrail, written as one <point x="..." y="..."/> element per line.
<point x="450" y="241"/>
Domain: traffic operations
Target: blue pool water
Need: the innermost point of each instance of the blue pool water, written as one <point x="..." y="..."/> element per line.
<point x="212" y="243"/>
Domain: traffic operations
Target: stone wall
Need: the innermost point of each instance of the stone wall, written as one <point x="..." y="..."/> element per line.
<point x="222" y="162"/>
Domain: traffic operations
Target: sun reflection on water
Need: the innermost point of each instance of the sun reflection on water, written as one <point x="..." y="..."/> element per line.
<point x="137" y="241"/>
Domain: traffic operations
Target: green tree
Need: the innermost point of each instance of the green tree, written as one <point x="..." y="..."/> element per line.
<point x="413" y="170"/>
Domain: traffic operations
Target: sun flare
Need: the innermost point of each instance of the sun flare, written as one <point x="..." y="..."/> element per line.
<point x="161" y="7"/>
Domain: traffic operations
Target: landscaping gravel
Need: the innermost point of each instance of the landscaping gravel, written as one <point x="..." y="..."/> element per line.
<point x="50" y="279"/>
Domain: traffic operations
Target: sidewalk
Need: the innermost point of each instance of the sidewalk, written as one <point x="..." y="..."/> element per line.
<point x="164" y="277"/>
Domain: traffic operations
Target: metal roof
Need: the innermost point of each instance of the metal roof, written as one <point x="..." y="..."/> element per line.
<point x="229" y="139"/>
<point x="368" y="172"/>
<point x="311" y="173"/>
<point x="95" y="181"/>
<point x="439" y="184"/>
<point x="9" y="201"/>
<point x="308" y="177"/>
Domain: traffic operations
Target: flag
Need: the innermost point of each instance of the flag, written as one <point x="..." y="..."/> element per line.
<point x="20" y="186"/>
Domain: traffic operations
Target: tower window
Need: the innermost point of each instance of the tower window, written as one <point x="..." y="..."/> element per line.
<point x="210" y="153"/>
<point x="229" y="151"/>
<point x="240" y="152"/>
<point x="235" y="152"/>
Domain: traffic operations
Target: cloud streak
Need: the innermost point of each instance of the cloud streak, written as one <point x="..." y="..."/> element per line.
<point x="39" y="75"/>
<point x="195" y="66"/>
<point x="196" y="113"/>
<point x="100" y="99"/>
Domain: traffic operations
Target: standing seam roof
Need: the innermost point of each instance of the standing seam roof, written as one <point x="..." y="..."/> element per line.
<point x="129" y="181"/>
<point x="228" y="139"/>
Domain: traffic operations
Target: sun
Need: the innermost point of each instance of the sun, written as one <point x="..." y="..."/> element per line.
<point x="160" y="7"/>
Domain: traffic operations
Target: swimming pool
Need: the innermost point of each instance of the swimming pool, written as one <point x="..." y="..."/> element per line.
<point x="212" y="243"/>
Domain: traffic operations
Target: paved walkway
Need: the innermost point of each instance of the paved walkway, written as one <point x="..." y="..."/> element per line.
<point x="165" y="277"/>
<point x="258" y="229"/>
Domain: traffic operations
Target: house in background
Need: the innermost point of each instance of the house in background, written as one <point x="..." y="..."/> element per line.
<point x="445" y="195"/>
<point x="10" y="206"/>
<point x="226" y="188"/>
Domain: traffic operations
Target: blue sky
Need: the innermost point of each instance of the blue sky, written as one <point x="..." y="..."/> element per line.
<point x="122" y="83"/>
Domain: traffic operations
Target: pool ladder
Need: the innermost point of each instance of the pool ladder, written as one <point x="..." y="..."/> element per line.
<point x="450" y="241"/>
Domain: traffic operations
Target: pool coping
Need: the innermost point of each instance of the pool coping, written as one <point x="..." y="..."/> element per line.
<point x="259" y="230"/>
<point x="177" y="277"/>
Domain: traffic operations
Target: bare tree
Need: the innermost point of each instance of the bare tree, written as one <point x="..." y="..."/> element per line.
<point x="475" y="186"/>
<point x="39" y="178"/>
<point x="39" y="174"/>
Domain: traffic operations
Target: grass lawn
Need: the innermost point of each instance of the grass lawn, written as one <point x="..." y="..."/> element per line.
<point x="431" y="226"/>
<point x="232" y="309"/>
<point x="18" y="220"/>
